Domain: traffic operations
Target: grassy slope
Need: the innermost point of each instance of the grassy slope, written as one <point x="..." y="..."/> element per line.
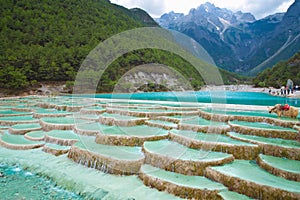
<point x="280" y="73"/>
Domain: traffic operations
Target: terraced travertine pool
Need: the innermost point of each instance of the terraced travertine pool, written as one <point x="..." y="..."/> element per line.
<point x="136" y="149"/>
<point x="240" y="112"/>
<point x="12" y="113"/>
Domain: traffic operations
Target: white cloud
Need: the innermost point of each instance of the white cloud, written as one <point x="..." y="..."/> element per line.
<point x="285" y="5"/>
<point x="153" y="7"/>
<point x="257" y="7"/>
<point x="263" y="8"/>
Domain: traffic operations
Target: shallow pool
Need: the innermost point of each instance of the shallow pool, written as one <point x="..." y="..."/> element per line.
<point x="17" y="183"/>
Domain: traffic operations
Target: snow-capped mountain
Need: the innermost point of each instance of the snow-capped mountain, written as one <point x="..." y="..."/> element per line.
<point x="236" y="40"/>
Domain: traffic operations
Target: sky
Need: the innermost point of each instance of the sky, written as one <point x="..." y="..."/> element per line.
<point x="259" y="8"/>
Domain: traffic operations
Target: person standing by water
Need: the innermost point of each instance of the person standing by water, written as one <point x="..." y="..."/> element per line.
<point x="289" y="86"/>
<point x="282" y="90"/>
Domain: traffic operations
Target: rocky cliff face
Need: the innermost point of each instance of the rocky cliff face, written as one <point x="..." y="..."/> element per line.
<point x="236" y="40"/>
<point x="152" y="77"/>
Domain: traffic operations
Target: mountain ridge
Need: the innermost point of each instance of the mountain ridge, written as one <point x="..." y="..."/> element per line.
<point x="237" y="41"/>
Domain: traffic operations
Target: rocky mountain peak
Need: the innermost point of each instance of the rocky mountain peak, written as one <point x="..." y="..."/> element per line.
<point x="244" y="17"/>
<point x="207" y="7"/>
<point x="166" y="19"/>
<point x="171" y="16"/>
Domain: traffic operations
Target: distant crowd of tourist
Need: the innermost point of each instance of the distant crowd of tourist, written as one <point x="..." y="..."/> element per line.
<point x="284" y="91"/>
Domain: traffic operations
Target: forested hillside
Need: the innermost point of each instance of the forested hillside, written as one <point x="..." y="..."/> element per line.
<point x="280" y="73"/>
<point x="45" y="40"/>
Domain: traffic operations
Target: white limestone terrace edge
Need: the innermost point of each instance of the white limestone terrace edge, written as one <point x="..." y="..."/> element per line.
<point x="233" y="123"/>
<point x="81" y="131"/>
<point x="13" y="131"/>
<point x="15" y="115"/>
<point x="164" y="124"/>
<point x="59" y="141"/>
<point x="11" y="123"/>
<point x="244" y="150"/>
<point x="107" y="120"/>
<point x="112" y="164"/>
<point x="260" y="183"/>
<point x="52" y="126"/>
<point x="42" y="115"/>
<point x="283" y="171"/>
<point x="36" y="139"/>
<point x="171" y="119"/>
<point x="55" y="149"/>
<point x="264" y="132"/>
<point x="271" y="149"/>
<point x="171" y="183"/>
<point x="182" y="163"/>
<point x="20" y="147"/>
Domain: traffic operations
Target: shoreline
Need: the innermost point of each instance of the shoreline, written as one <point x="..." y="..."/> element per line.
<point x="233" y="88"/>
<point x="250" y="88"/>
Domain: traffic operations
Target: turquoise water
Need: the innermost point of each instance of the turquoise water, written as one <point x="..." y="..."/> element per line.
<point x="16" y="183"/>
<point x="245" y="98"/>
